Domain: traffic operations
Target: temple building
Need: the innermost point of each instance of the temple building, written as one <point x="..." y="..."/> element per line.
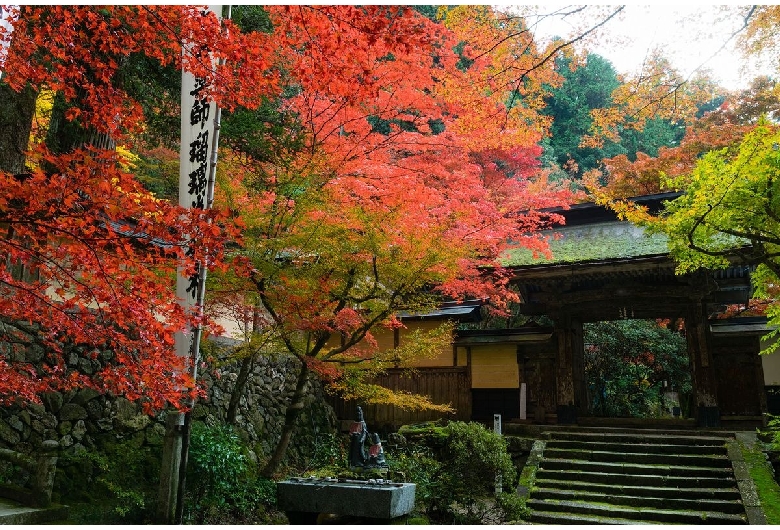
<point x="603" y="269"/>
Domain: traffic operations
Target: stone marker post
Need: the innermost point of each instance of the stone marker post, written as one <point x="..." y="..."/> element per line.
<point x="497" y="430"/>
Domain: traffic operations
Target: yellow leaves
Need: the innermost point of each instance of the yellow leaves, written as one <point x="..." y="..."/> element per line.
<point x="760" y="38"/>
<point x="41" y="119"/>
<point x="379" y="395"/>
<point x="128" y="160"/>
<point x="498" y="88"/>
<point x="656" y="91"/>
<point x="421" y="344"/>
<point x="625" y="209"/>
<point x="604" y="126"/>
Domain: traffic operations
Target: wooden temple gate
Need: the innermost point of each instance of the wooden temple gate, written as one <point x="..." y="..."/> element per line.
<point x="726" y="370"/>
<point x="541" y="369"/>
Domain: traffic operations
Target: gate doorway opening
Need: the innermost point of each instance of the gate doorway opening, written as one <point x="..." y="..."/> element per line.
<point x="637" y="369"/>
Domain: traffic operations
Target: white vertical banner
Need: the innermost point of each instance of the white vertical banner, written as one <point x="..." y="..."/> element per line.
<point x="198" y="137"/>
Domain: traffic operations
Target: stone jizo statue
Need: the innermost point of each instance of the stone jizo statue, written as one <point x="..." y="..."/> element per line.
<point x="358" y="456"/>
<point x="376" y="455"/>
<point x="357" y="437"/>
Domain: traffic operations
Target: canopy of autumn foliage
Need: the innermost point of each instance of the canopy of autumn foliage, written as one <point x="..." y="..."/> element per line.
<point x="403" y="190"/>
<point x="723" y="126"/>
<point x="714" y="118"/>
<point x="89" y="256"/>
<point x="408" y="175"/>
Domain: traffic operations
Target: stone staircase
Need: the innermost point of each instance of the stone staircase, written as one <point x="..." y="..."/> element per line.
<point x="610" y="476"/>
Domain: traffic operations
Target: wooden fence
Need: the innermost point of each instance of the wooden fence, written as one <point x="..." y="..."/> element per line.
<point x="441" y="385"/>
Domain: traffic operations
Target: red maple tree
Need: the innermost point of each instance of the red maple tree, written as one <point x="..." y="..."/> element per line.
<point x="413" y="168"/>
<point x="89" y="255"/>
<point x="413" y="177"/>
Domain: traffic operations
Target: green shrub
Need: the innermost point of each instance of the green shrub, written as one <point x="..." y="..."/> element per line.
<point x="417" y="465"/>
<point x="513" y="506"/>
<point x="221" y="486"/>
<point x="329" y="452"/>
<point x="773" y="432"/>
<point x="117" y="485"/>
<point x="627" y="363"/>
<point x="215" y="460"/>
<point x="456" y="478"/>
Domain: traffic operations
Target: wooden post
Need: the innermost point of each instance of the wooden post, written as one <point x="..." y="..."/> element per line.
<point x="566" y="407"/>
<point x="705" y="394"/>
<point x="169" y="473"/>
<point x="523" y="400"/>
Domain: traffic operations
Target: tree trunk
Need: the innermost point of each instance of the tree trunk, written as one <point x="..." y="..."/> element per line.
<point x="17" y="110"/>
<point x="295" y="408"/>
<point x="66" y="135"/>
<point x="243" y="374"/>
<point x="235" y="396"/>
<point x="16" y="114"/>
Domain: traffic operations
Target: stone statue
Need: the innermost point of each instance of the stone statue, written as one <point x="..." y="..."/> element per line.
<point x="376" y="455"/>
<point x="357" y="437"/>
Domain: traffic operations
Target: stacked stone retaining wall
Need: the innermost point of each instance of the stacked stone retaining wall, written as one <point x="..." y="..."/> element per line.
<point x="83" y="420"/>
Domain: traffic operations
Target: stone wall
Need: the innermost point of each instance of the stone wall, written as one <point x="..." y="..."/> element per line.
<point x="83" y="420"/>
<point x="263" y="405"/>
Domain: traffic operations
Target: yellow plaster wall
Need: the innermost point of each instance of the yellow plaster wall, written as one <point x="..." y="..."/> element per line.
<point x="494" y="366"/>
<point x="384" y="339"/>
<point x="463" y="356"/>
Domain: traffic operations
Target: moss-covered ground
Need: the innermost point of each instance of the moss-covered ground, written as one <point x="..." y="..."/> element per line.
<point x="766" y="485"/>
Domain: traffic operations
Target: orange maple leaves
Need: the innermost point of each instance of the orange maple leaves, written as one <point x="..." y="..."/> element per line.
<point x="416" y="171"/>
<point x="78" y="50"/>
<point x="400" y="163"/>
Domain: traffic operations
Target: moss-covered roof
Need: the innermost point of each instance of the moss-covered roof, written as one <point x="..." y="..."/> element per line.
<point x="592" y="242"/>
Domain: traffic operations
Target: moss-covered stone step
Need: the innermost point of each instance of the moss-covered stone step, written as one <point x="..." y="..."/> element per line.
<point x="668" y="502"/>
<point x="605" y="476"/>
<point x="597" y="454"/>
<point x="557" y="518"/>
<point x="636" y="480"/>
<point x="619" y="490"/>
<point x="636" y="514"/>
<point x="683" y="438"/>
<point x="666" y="448"/>
<point x="666" y="469"/>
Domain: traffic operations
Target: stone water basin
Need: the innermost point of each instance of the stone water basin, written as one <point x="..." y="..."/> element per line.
<point x="377" y="499"/>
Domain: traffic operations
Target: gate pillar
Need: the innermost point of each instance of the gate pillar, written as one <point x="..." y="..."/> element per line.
<point x="570" y="372"/>
<point x="704" y="382"/>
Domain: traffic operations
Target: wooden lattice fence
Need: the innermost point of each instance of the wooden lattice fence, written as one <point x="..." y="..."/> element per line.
<point x="442" y="385"/>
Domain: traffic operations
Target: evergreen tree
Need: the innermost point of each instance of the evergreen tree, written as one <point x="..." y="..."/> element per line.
<point x="584" y="88"/>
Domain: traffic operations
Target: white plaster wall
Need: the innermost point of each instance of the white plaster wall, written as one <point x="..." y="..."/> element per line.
<point x="771" y="363"/>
